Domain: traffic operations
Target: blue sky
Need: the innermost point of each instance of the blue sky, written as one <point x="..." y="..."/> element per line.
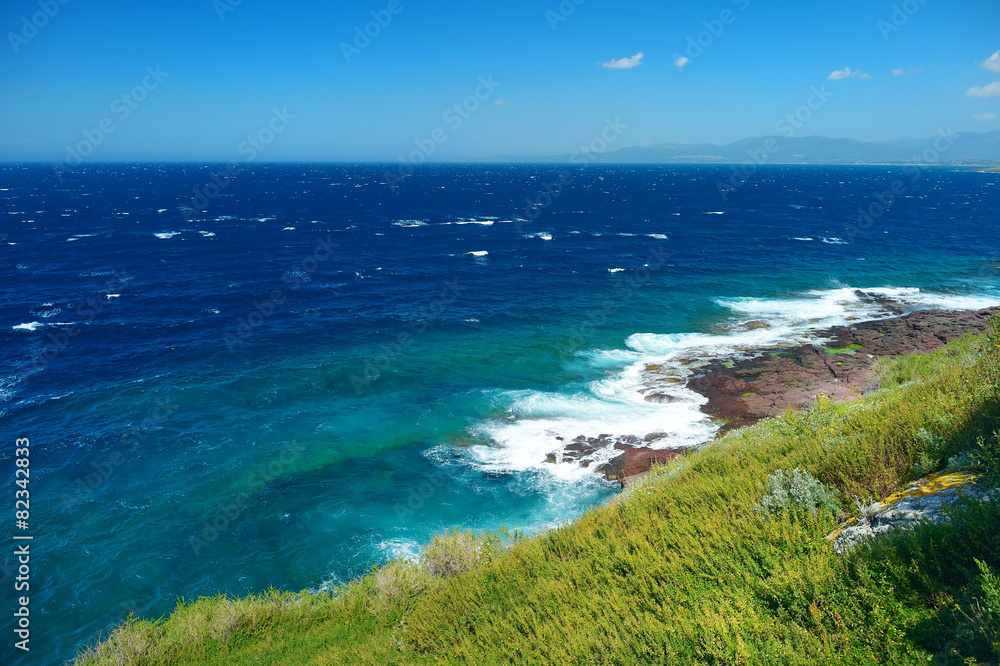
<point x="224" y="77"/>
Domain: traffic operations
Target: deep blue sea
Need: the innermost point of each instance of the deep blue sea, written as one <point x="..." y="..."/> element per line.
<point x="309" y="372"/>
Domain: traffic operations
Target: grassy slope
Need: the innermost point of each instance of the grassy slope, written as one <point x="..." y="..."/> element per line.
<point x="679" y="569"/>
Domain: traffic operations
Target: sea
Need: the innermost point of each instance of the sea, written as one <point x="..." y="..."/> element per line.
<point x="285" y="374"/>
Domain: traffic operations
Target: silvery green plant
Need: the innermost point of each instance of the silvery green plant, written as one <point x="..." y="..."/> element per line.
<point x="797" y="491"/>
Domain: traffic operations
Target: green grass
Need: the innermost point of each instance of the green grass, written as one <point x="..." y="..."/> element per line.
<point x="850" y="350"/>
<point x="679" y="568"/>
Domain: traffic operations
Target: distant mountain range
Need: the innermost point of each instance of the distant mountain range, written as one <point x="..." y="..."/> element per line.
<point x="962" y="149"/>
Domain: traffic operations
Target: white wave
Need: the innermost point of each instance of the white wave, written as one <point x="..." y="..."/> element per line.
<point x="289" y="229"/>
<point x="834" y="241"/>
<point x="538" y="423"/>
<point x="113" y="295"/>
<point x="658" y="236"/>
<point x="478" y="253"/>
<point x="406" y="549"/>
<point x="613" y="407"/>
<point x="616" y="270"/>
<point x="167" y="234"/>
<point x="51" y="310"/>
<point x="486" y="223"/>
<point x="162" y="210"/>
<point x="715" y="212"/>
<point x="544" y="235"/>
<point x="804" y="238"/>
<point x="410" y="223"/>
<point x="207" y="234"/>
<point x="30" y="326"/>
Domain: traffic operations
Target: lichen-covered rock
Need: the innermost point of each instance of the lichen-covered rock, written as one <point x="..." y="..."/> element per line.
<point x="923" y="500"/>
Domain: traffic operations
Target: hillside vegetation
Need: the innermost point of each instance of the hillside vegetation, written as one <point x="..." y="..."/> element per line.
<point x="684" y="567"/>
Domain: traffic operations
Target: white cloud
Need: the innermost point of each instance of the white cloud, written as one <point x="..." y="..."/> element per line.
<point x="681" y="62"/>
<point x="986" y="116"/>
<point x="989" y="90"/>
<point x="907" y="71"/>
<point x="992" y="63"/>
<point x="623" y="63"/>
<point x="847" y="73"/>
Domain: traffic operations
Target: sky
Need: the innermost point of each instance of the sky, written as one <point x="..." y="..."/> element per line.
<point x="226" y="80"/>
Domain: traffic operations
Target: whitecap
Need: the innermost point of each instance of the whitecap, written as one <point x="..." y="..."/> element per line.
<point x="167" y="234"/>
<point x="616" y="270"/>
<point x="835" y="241"/>
<point x="30" y="326"/>
<point x="406" y="549"/>
<point x="478" y="253"/>
<point x="207" y="234"/>
<point x="658" y="236"/>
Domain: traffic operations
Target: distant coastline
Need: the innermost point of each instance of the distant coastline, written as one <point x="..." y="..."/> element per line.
<point x="947" y="148"/>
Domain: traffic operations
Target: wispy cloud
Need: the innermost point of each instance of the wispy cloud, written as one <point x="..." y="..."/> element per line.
<point x="499" y="102"/>
<point x="992" y="63"/>
<point x="986" y="116"/>
<point x="909" y="71"/>
<point x="623" y="63"/>
<point x="989" y="90"/>
<point x="681" y="62"/>
<point x="847" y="73"/>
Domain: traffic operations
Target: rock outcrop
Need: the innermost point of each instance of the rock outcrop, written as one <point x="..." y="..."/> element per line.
<point x="770" y="381"/>
<point x="922" y="501"/>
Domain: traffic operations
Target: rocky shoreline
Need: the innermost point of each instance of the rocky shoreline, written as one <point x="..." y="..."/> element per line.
<point x="766" y="382"/>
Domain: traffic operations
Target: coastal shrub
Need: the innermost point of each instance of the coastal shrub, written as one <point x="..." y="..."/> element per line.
<point x="933" y="448"/>
<point x="988" y="607"/>
<point x="134" y="642"/>
<point x="797" y="491"/>
<point x="398" y="583"/>
<point x="457" y="552"/>
<point x="987" y="458"/>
